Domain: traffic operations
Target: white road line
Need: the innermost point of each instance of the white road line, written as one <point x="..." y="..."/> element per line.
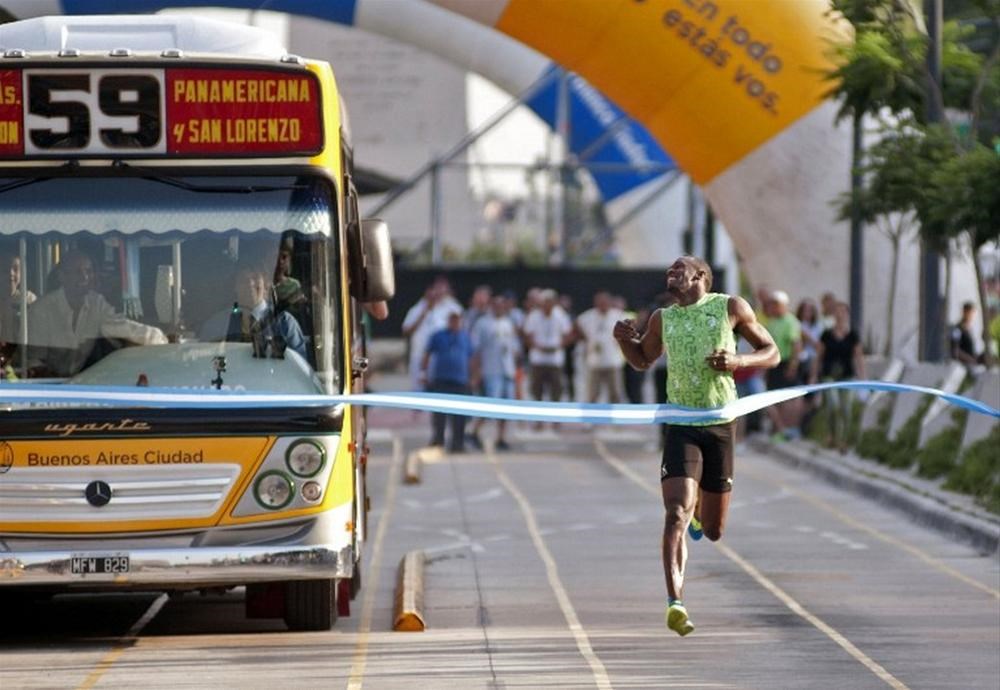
<point x="766" y="583"/>
<point x="364" y="627"/>
<point x="552" y="572"/>
<point x="127" y="640"/>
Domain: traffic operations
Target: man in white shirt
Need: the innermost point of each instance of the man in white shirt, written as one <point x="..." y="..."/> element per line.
<point x="428" y="316"/>
<point x="547" y="330"/>
<point x="602" y="355"/>
<point x="65" y="325"/>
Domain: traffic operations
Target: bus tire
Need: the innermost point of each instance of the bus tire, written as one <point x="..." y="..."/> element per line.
<point x="310" y="604"/>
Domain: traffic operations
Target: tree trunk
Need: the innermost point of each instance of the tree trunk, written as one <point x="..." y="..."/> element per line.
<point x="981" y="290"/>
<point x="890" y="312"/>
<point x="946" y="302"/>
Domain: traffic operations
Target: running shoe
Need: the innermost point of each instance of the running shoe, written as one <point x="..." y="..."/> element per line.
<point x="694" y="529"/>
<point x="677" y="619"/>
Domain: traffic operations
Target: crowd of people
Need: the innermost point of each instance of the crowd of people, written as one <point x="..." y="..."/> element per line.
<point x="538" y="348"/>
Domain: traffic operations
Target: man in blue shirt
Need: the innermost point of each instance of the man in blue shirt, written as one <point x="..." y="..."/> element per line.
<point x="447" y="367"/>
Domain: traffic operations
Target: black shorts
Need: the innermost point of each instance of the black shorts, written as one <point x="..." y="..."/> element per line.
<point x="703" y="453"/>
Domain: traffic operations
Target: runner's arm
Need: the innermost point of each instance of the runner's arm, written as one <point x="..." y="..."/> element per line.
<point x="765" y="353"/>
<point x="640" y="350"/>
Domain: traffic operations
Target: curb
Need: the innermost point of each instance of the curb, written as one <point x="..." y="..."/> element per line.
<point x="408" y="601"/>
<point x="926" y="509"/>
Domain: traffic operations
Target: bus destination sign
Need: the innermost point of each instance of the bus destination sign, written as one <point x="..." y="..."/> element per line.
<point x="149" y="112"/>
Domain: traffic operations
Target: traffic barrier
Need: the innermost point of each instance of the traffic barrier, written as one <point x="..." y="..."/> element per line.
<point x="408" y="606"/>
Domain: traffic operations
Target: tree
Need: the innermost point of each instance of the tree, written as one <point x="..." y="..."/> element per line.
<point x="963" y="201"/>
<point x="942" y="176"/>
<point x="895" y="171"/>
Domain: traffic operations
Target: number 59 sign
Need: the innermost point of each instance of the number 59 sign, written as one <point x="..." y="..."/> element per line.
<point x="99" y="111"/>
<point x="139" y="112"/>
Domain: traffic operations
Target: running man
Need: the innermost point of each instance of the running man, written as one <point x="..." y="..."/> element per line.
<point x="696" y="473"/>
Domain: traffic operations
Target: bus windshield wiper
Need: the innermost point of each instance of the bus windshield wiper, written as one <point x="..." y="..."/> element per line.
<point x="151" y="176"/>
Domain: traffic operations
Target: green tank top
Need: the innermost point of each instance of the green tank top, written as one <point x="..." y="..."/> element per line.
<point x="690" y="334"/>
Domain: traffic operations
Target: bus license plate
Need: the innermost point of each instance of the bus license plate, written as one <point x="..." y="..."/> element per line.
<point x="88" y="565"/>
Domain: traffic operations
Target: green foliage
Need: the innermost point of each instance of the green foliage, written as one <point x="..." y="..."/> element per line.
<point x="873" y="75"/>
<point x="939" y="454"/>
<point x="896" y="170"/>
<point x="963" y="197"/>
<point x="874" y="443"/>
<point x="904" y="446"/>
<point x="818" y="430"/>
<point x="900" y="451"/>
<point x="978" y="472"/>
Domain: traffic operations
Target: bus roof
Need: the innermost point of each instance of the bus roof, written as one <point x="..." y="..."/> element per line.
<point x="144" y="33"/>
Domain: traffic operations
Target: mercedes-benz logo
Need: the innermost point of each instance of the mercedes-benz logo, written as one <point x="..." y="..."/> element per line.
<point x="98" y="493"/>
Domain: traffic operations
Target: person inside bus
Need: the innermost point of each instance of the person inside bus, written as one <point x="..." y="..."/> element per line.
<point x="73" y="326"/>
<point x="252" y="313"/>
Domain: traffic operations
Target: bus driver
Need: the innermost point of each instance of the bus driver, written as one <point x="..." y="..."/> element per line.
<point x="65" y="325"/>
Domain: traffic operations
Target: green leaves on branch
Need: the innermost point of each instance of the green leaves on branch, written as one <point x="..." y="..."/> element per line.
<point x="964" y="197"/>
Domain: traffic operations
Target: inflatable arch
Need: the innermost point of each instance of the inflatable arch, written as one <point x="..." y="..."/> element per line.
<point x="732" y="91"/>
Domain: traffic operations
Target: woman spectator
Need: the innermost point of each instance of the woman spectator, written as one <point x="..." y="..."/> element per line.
<point x="838" y="358"/>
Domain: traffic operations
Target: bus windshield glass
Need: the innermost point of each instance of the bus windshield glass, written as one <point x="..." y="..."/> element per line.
<point x="167" y="281"/>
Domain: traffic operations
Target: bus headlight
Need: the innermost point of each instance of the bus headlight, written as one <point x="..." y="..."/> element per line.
<point x="273" y="490"/>
<point x="305" y="458"/>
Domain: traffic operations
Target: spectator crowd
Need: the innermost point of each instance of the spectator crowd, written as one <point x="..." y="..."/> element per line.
<point x="540" y="349"/>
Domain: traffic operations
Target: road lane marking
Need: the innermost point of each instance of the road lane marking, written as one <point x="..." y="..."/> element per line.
<point x="127" y="640"/>
<point x="552" y="572"/>
<point x="857" y="524"/>
<point x="765" y="582"/>
<point x="816" y="622"/>
<point x="356" y="678"/>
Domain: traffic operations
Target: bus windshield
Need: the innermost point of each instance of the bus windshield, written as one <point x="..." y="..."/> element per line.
<point x="166" y="281"/>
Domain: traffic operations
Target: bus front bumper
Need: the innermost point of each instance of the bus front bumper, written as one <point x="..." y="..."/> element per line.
<point x="175" y="567"/>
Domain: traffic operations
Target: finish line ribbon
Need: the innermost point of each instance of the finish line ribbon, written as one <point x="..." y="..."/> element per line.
<point x="56" y="395"/>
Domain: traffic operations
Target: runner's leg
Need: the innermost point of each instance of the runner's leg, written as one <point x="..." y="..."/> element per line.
<point x="714" y="510"/>
<point x="679" y="497"/>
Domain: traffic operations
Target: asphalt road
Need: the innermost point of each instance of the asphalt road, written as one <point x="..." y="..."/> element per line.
<point x="543" y="571"/>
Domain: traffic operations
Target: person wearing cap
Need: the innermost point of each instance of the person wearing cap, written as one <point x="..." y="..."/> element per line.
<point x="786" y="331"/>
<point x="696" y="472"/>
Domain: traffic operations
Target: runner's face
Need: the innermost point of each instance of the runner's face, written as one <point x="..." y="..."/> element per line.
<point x="681" y="276"/>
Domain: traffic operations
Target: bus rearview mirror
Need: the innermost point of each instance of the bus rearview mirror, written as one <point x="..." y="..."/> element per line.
<point x="379" y="277"/>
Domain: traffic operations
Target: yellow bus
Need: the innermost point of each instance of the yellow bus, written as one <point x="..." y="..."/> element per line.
<point x="177" y="214"/>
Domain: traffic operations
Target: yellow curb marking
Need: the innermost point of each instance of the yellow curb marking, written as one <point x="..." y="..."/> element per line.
<point x="408" y="608"/>
<point x="766" y="583"/>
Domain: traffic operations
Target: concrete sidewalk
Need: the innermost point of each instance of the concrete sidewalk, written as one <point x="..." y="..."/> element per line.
<point x="957" y="515"/>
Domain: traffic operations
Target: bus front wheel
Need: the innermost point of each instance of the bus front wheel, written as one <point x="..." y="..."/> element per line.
<point x="310" y="604"/>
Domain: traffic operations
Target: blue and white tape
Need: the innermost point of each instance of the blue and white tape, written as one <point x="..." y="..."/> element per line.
<point x="20" y="395"/>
